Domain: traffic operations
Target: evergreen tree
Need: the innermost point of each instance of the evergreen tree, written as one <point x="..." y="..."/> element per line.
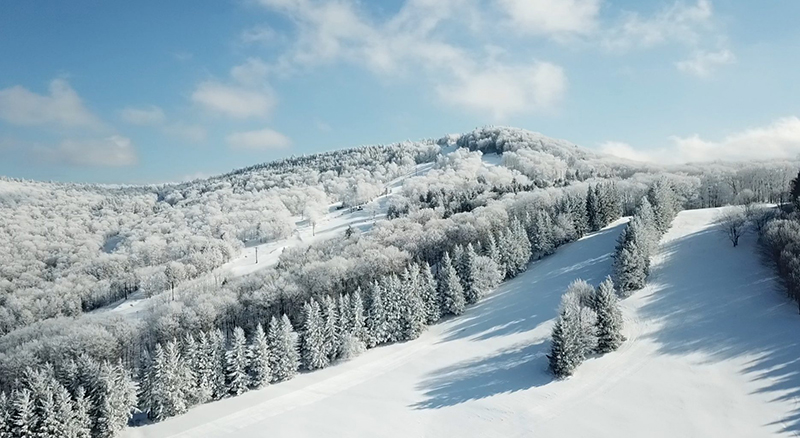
<point x="359" y="327"/>
<point x="540" y="235"/>
<point x="284" y="354"/>
<point x="166" y="381"/>
<point x="217" y="342"/>
<point x="662" y="199"/>
<point x="5" y="416"/>
<point x="493" y="252"/>
<point x="630" y="268"/>
<point x="113" y="395"/>
<point x="593" y="214"/>
<point x="505" y="246"/>
<point x="236" y="363"/>
<point x="609" y="317"/>
<point x="580" y="219"/>
<point x="258" y="359"/>
<point x="566" y="350"/>
<point x="452" y="296"/>
<point x="331" y="329"/>
<point x="428" y="292"/>
<point x="412" y="317"/>
<point x="22" y="414"/>
<point x="81" y="408"/>
<point x="191" y="363"/>
<point x="376" y="320"/>
<point x="471" y="279"/>
<point x="313" y="346"/>
<point x="67" y="426"/>
<point x="203" y="366"/>
<point x="345" y="315"/>
<point x="393" y="302"/>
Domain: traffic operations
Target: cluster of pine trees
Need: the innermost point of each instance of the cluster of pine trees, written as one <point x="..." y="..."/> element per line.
<point x="589" y="321"/>
<point x="639" y="240"/>
<point x="79" y="399"/>
<point x="193" y="371"/>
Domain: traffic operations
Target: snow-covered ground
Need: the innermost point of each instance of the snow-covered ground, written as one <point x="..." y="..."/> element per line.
<point x="711" y="352"/>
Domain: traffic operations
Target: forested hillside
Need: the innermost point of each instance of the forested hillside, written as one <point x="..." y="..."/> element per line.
<point x="449" y="220"/>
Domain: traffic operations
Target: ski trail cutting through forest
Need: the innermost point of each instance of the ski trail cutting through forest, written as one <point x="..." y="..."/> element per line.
<point x="711" y="351"/>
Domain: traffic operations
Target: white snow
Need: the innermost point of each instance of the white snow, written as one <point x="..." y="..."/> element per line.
<point x="711" y="352"/>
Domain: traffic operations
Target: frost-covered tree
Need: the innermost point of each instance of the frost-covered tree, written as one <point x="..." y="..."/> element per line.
<point x="258" y="369"/>
<point x="452" y="296"/>
<point x="593" y="212"/>
<point x="485" y="275"/>
<point x="331" y="329"/>
<point x="358" y="319"/>
<point x="662" y="199"/>
<point x="5" y="416"/>
<point x="575" y="333"/>
<point x="376" y="319"/>
<point x="609" y="317"/>
<point x="113" y="395"/>
<point x="492" y="251"/>
<point x="81" y="420"/>
<point x="21" y="418"/>
<point x="428" y="292"/>
<point x="201" y="362"/>
<point x="412" y="317"/>
<point x="283" y="348"/>
<point x="167" y="381"/>
<point x="236" y="363"/>
<point x="733" y="223"/>
<point x="630" y="268"/>
<point x="313" y="350"/>
<point x="217" y="341"/>
<point x="540" y="234"/>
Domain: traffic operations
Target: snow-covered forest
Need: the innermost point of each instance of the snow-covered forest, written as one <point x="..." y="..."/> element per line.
<point x="396" y="238"/>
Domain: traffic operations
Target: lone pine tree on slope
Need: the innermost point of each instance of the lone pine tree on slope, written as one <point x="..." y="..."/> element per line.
<point x="609" y="317"/>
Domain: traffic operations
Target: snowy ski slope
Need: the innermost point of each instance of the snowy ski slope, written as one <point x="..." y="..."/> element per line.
<point x="711" y="352"/>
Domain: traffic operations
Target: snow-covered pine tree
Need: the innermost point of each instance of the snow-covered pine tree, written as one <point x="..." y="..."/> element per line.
<point x="258" y="359"/>
<point x="662" y="199"/>
<point x="457" y="257"/>
<point x="166" y="397"/>
<point x="630" y="268"/>
<point x="284" y="354"/>
<point x="236" y="363"/>
<point x="593" y="214"/>
<point x="22" y="416"/>
<point x="331" y="329"/>
<point x="217" y="343"/>
<point x="485" y="275"/>
<point x="345" y="315"/>
<point x="450" y="291"/>
<point x="65" y="414"/>
<point x="203" y="367"/>
<point x="428" y="292"/>
<point x="522" y="247"/>
<point x="80" y="410"/>
<point x="471" y="279"/>
<point x="609" y="317"/>
<point x="376" y="318"/>
<point x="359" y="327"/>
<point x="392" y="305"/>
<point x="577" y="211"/>
<point x="113" y="395"/>
<point x="313" y="351"/>
<point x="190" y="359"/>
<point x="493" y="252"/>
<point x="412" y="318"/>
<point x="5" y="415"/>
<point x="506" y="247"/>
<point x="43" y="395"/>
<point x="540" y="234"/>
<point x="613" y="202"/>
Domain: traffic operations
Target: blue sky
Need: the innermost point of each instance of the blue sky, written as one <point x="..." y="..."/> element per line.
<point x="153" y="91"/>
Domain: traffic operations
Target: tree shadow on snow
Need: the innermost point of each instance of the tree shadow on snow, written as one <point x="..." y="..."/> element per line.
<point x="724" y="303"/>
<point x="532" y="298"/>
<point x="507" y="372"/>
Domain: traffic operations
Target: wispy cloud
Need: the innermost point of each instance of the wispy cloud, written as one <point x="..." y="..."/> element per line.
<point x="780" y="139"/>
<point x="113" y="151"/>
<point x="703" y="64"/>
<point x="151" y="115"/>
<point x="62" y="107"/>
<point x="263" y="139"/>
<point x="248" y="95"/>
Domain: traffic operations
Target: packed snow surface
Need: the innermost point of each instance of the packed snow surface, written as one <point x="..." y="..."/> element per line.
<point x="712" y="351"/>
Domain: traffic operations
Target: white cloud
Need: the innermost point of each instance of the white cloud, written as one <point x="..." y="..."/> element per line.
<point x="262" y="139"/>
<point x="252" y="73"/>
<point x="779" y="140"/>
<point x="413" y="41"/>
<point x="193" y="133"/>
<point x="62" y="107"/>
<point x="552" y="17"/>
<point x="232" y="100"/>
<point x="677" y="23"/>
<point x="503" y="90"/>
<point x="114" y="151"/>
<point x="702" y="64"/>
<point x="259" y="35"/>
<point x="151" y="115"/>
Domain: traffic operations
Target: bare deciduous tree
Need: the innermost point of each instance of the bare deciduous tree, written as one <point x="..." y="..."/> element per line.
<point x="734" y="223"/>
